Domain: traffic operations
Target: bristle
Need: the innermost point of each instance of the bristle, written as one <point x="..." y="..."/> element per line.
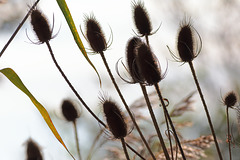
<point x="69" y="111"/>
<point x="33" y="151"/>
<point x="95" y="35"/>
<point x="141" y="19"/>
<point x="230" y="99"/>
<point x="185" y="43"/>
<point x="115" y="119"/>
<point x="131" y="58"/>
<point x="148" y="64"/>
<point x="40" y="26"/>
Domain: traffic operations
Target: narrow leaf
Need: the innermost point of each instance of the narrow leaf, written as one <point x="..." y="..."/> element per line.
<point x="13" y="77"/>
<point x="63" y="6"/>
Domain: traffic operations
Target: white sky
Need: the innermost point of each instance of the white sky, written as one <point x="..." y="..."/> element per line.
<point x="19" y="119"/>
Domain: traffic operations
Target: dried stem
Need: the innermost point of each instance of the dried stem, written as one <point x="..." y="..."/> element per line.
<point x="18" y="28"/>
<point x="71" y="86"/>
<point x="76" y="139"/>
<point x="229" y="138"/>
<point x="125" y="149"/>
<point x="169" y="119"/>
<point x="75" y="92"/>
<point x="154" y="121"/>
<point x="125" y="104"/>
<point x="205" y="108"/>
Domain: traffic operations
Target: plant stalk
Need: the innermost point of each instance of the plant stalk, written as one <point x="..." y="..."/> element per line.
<point x="154" y="120"/>
<point x="205" y="108"/>
<point x="229" y="138"/>
<point x="76" y="139"/>
<point x="126" y="106"/>
<point x="125" y="149"/>
<point x="169" y="119"/>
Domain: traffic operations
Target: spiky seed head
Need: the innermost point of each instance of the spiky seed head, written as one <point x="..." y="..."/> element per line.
<point x="70" y="112"/>
<point x="230" y="99"/>
<point x="185" y="42"/>
<point x="131" y="58"/>
<point x="148" y="64"/>
<point x="115" y="119"/>
<point x="95" y="35"/>
<point x="41" y="26"/>
<point x="141" y="19"/>
<point x="33" y="151"/>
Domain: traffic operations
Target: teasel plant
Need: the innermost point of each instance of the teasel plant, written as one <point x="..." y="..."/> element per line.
<point x="33" y="150"/>
<point x="71" y="113"/>
<point x="144" y="28"/>
<point x="189" y="45"/>
<point x="137" y="78"/>
<point x="116" y="121"/>
<point x="96" y="39"/>
<point x="230" y="100"/>
<point x="149" y="69"/>
<point x="43" y="32"/>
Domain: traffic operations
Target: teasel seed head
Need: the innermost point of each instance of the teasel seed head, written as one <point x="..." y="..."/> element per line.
<point x="230" y="99"/>
<point x="70" y="112"/>
<point x="33" y="151"/>
<point x="141" y="19"/>
<point x="186" y="42"/>
<point x="95" y="35"/>
<point x="131" y="58"/>
<point x="148" y="64"/>
<point x="115" y="119"/>
<point x="41" y="26"/>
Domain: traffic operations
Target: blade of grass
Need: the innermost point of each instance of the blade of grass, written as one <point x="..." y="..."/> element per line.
<point x="14" y="78"/>
<point x="63" y="6"/>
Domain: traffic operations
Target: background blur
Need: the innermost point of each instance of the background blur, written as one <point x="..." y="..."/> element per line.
<point x="217" y="66"/>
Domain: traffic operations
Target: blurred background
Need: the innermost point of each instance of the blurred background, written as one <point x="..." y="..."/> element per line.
<point x="217" y="67"/>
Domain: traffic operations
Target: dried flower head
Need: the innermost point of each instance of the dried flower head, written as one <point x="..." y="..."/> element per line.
<point x="186" y="42"/>
<point x="230" y="99"/>
<point x="41" y="26"/>
<point x="33" y="151"/>
<point x="95" y="35"/>
<point x="115" y="119"/>
<point x="141" y="18"/>
<point x="148" y="64"/>
<point x="70" y="112"/>
<point x="131" y="58"/>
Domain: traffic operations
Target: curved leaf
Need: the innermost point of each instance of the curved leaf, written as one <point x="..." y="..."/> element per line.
<point x="13" y="77"/>
<point x="63" y="6"/>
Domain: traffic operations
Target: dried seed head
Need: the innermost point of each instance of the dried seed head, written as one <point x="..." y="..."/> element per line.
<point x="115" y="119"/>
<point x="33" y="151"/>
<point x="230" y="99"/>
<point x="69" y="111"/>
<point x="185" y="43"/>
<point x="148" y="64"/>
<point x="141" y="19"/>
<point x="131" y="58"/>
<point x="41" y="26"/>
<point x="95" y="35"/>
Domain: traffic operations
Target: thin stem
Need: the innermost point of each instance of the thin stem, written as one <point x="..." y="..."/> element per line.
<point x="154" y="120"/>
<point x="75" y="92"/>
<point x="125" y="104"/>
<point x="169" y="119"/>
<point x="140" y="156"/>
<point x="77" y="140"/>
<point x="229" y="138"/>
<point x="125" y="149"/>
<point x="71" y="86"/>
<point x="205" y="108"/>
<point x="18" y="28"/>
<point x="94" y="143"/>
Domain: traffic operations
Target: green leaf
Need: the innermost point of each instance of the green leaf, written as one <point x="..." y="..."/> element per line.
<point x="13" y="77"/>
<point x="63" y="6"/>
